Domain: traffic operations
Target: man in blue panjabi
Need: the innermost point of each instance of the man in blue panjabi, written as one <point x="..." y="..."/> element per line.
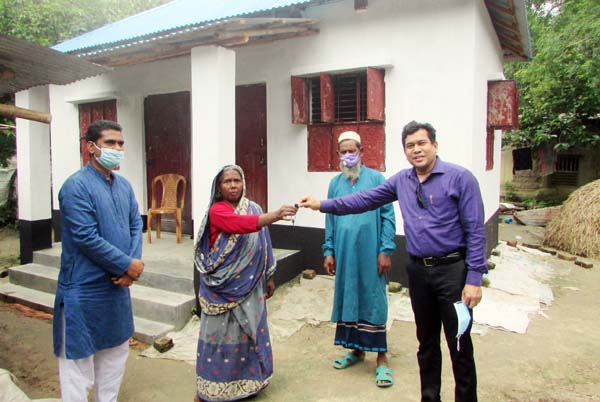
<point x="101" y="251"/>
<point x="357" y="251"/>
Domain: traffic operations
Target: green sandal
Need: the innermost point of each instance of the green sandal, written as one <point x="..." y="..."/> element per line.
<point x="383" y="377"/>
<point x="348" y="360"/>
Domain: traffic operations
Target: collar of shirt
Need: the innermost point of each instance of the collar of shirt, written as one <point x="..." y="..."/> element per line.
<point x="438" y="168"/>
<point x="98" y="174"/>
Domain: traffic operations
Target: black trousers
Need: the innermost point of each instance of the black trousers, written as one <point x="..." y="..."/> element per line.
<point x="433" y="291"/>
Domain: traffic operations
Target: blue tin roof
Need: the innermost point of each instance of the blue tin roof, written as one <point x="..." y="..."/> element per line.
<point x="176" y="14"/>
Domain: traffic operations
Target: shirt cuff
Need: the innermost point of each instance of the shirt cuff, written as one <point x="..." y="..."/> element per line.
<point x="123" y="264"/>
<point x="326" y="206"/>
<point x="474" y="278"/>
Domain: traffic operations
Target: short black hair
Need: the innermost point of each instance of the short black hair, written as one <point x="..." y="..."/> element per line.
<point x="413" y="126"/>
<point x="94" y="131"/>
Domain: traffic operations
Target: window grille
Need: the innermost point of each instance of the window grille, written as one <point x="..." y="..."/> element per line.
<point x="350" y="102"/>
<point x="566" y="170"/>
<point x="567" y="163"/>
<point x="315" y="100"/>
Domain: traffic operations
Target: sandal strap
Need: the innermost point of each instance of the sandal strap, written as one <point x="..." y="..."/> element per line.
<point x="342" y="362"/>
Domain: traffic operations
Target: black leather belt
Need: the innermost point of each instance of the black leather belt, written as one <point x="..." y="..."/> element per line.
<point x="443" y="260"/>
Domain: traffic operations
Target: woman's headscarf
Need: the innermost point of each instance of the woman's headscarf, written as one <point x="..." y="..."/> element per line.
<point x="234" y="265"/>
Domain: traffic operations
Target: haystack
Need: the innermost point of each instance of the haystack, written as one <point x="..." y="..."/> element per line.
<point x="577" y="229"/>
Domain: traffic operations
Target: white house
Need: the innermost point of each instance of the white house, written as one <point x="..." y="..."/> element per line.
<point x="268" y="84"/>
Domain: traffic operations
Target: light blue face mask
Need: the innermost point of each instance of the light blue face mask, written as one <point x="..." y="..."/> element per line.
<point x="350" y="160"/>
<point x="464" y="319"/>
<point x="110" y="158"/>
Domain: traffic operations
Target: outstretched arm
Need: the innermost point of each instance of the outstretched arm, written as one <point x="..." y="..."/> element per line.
<point x="309" y="202"/>
<point x="274" y="216"/>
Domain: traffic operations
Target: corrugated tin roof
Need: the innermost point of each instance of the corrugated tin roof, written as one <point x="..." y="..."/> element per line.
<point x="24" y="65"/>
<point x="173" y="28"/>
<point x="509" y="18"/>
<point x="173" y="15"/>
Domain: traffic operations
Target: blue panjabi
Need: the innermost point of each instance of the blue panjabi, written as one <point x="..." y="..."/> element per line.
<point x="101" y="235"/>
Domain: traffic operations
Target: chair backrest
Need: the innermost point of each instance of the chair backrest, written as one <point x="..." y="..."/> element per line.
<point x="169" y="196"/>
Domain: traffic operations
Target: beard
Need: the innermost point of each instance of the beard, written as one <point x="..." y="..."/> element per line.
<point x="351" y="172"/>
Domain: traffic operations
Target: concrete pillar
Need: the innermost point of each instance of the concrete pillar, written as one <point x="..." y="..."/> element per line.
<point x="213" y="121"/>
<point x="33" y="175"/>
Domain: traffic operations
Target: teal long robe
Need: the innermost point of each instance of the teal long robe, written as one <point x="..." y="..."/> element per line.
<point x="355" y="241"/>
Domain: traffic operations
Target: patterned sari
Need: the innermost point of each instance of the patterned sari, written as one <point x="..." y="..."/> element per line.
<point x="234" y="359"/>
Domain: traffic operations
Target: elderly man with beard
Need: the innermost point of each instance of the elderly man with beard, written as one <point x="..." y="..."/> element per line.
<point x="357" y="251"/>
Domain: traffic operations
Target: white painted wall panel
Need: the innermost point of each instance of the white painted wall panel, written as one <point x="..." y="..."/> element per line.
<point x="33" y="158"/>
<point x="213" y="120"/>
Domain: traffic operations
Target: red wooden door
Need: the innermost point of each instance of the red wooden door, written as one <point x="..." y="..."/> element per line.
<point x="251" y="139"/>
<point x="168" y="146"/>
<point x="89" y="113"/>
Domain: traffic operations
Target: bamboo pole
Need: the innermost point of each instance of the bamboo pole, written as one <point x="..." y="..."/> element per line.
<point x="28" y="114"/>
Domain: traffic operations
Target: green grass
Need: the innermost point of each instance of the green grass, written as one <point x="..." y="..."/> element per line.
<point x="9" y="248"/>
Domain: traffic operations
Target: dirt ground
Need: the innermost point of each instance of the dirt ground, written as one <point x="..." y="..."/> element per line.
<point x="558" y="359"/>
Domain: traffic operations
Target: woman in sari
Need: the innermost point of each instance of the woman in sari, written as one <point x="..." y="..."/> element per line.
<point x="235" y="261"/>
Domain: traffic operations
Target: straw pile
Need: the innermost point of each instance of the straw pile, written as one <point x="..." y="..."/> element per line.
<point x="577" y="229"/>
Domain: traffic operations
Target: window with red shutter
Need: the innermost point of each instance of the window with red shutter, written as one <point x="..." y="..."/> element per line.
<point x="502" y="113"/>
<point x="340" y="102"/>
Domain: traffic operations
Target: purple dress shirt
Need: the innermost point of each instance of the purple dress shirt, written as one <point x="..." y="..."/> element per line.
<point x="452" y="217"/>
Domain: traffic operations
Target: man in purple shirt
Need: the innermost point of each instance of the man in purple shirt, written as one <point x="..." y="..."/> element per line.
<point x="443" y="217"/>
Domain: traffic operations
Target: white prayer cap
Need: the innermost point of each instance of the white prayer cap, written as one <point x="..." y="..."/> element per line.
<point x="349" y="135"/>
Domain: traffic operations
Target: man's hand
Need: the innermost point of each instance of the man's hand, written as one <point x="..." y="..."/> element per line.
<point x="135" y="269"/>
<point x="471" y="295"/>
<point x="384" y="263"/>
<point x="309" y="202"/>
<point x="270" y="288"/>
<point x="123" y="280"/>
<point x="329" y="265"/>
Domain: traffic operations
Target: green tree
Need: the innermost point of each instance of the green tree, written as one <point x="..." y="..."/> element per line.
<point x="49" y="22"/>
<point x="560" y="88"/>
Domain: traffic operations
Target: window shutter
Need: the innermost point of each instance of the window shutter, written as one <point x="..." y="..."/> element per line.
<point x="503" y="105"/>
<point x="489" y="149"/>
<point x="319" y="148"/>
<point x="327" y="99"/>
<point x="375" y="94"/>
<point x="373" y="143"/>
<point x="299" y="100"/>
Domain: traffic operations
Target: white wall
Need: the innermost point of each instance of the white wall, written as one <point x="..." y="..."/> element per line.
<point x="213" y="121"/>
<point x="33" y="158"/>
<point x="129" y="86"/>
<point x="438" y="55"/>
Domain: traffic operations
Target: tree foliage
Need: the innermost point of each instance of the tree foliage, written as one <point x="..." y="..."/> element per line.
<point x="49" y="22"/>
<point x="560" y="88"/>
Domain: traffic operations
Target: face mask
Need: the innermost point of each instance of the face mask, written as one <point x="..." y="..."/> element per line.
<point x="110" y="158"/>
<point x="464" y="319"/>
<point x="350" y="160"/>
